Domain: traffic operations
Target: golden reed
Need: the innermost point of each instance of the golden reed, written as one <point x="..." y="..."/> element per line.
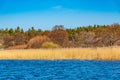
<point x="105" y="53"/>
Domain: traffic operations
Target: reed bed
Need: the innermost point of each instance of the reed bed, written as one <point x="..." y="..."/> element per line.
<point x="105" y="53"/>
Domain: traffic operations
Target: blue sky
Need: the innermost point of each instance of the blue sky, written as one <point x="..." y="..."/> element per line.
<point x="44" y="14"/>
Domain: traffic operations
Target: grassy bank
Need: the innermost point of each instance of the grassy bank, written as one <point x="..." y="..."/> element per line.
<point x="109" y="53"/>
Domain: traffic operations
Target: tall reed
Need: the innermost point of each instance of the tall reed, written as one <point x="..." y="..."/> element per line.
<point x="105" y="53"/>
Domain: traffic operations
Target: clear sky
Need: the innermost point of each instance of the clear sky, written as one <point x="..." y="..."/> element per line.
<point x="44" y="14"/>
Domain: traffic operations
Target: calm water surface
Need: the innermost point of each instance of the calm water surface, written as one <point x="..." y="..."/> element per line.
<point x="59" y="70"/>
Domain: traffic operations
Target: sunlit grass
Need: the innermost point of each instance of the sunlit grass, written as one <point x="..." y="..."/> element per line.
<point x="106" y="53"/>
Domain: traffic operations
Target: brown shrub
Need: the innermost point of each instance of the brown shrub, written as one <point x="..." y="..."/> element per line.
<point x="60" y="37"/>
<point x="36" y="42"/>
<point x="9" y="41"/>
<point x="109" y="36"/>
<point x="19" y="39"/>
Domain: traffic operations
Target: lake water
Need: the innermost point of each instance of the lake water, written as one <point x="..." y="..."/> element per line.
<point x="59" y="70"/>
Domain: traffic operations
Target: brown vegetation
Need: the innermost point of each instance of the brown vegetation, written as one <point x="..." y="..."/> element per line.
<point x="89" y="36"/>
<point x="60" y="37"/>
<point x="37" y="41"/>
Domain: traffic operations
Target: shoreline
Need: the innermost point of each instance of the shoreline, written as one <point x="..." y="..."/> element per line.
<point x="104" y="53"/>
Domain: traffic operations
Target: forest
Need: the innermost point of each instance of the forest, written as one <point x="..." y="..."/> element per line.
<point x="60" y="37"/>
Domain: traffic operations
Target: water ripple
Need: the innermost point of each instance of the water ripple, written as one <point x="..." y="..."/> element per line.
<point x="59" y="70"/>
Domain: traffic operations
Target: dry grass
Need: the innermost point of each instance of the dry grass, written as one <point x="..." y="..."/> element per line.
<point x="109" y="53"/>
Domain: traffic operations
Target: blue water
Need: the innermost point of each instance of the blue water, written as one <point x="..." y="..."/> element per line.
<point x="59" y="70"/>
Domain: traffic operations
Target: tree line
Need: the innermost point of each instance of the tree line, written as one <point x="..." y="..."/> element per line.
<point x="59" y="37"/>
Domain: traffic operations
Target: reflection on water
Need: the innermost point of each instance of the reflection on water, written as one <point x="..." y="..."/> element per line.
<point x="59" y="70"/>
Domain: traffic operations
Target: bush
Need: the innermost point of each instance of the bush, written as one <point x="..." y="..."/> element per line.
<point x="50" y="45"/>
<point x="9" y="41"/>
<point x="36" y="42"/>
<point x="60" y="37"/>
<point x="1" y="46"/>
